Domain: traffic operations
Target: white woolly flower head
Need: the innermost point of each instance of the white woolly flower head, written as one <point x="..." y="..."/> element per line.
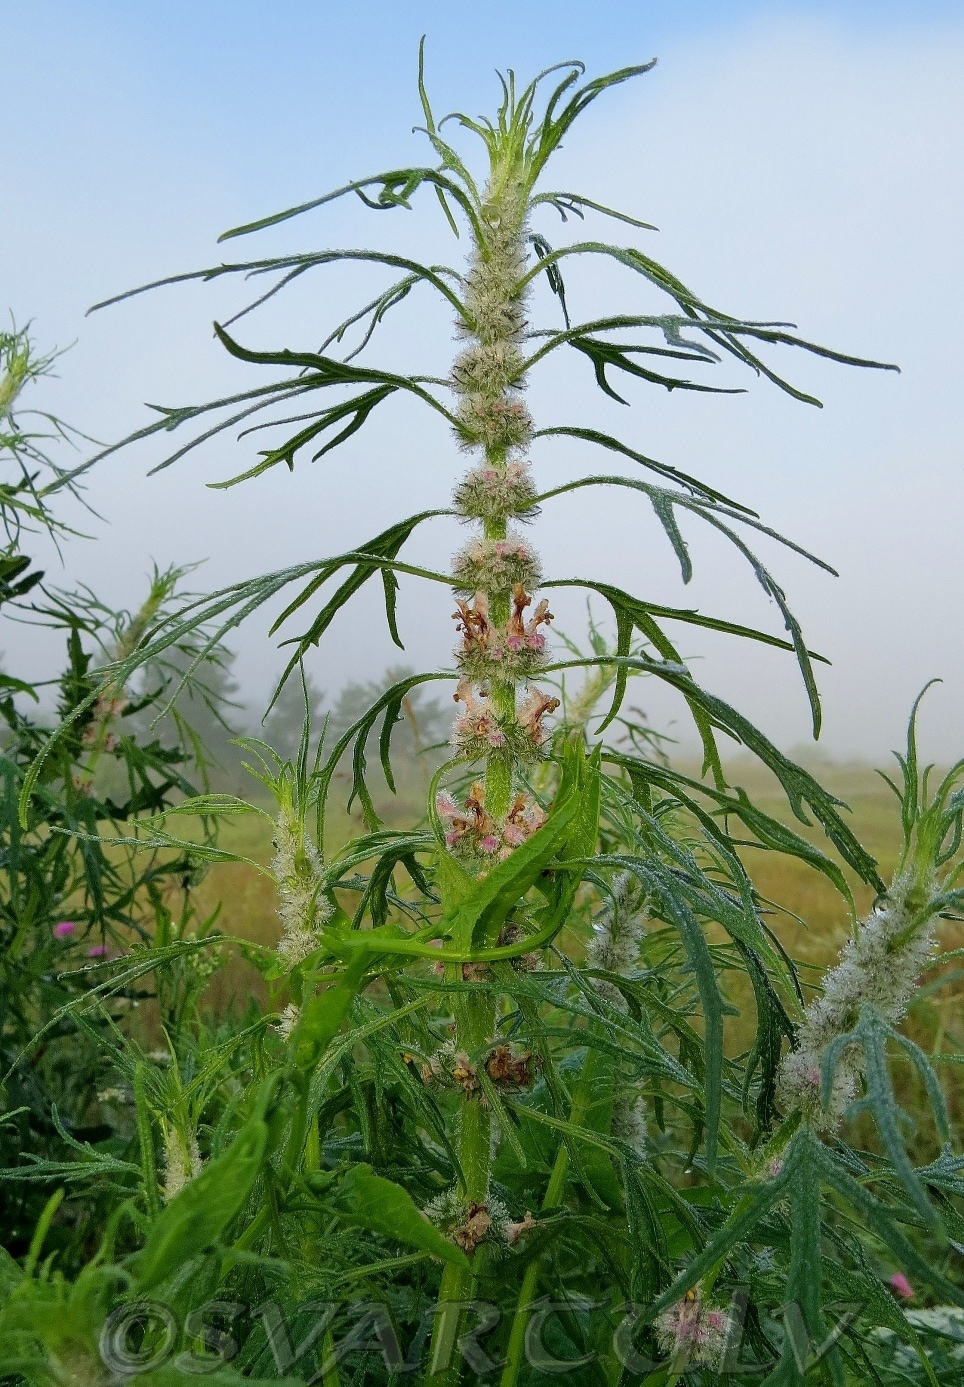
<point x="487" y="377"/>
<point x="497" y="423"/>
<point x="488" y="368"/>
<point x="880" y="967"/>
<point x="493" y="565"/>
<point x="629" y="1121"/>
<point x="495" y="492"/>
<point x="618" y="931"/>
<point x="288" y="1020"/>
<point x="182" y="1160"/>
<point x="494" y="300"/>
<point x="297" y="872"/>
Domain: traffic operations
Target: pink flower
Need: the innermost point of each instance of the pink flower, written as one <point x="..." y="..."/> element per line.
<point x="64" y="929"/>
<point x="97" y="951"/>
<point x="514" y="1231"/>
<point x="532" y="710"/>
<point x="692" y="1331"/>
<point x="489" y="843"/>
<point x="901" y="1286"/>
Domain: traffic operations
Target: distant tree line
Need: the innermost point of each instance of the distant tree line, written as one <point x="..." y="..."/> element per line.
<point x="216" y="712"/>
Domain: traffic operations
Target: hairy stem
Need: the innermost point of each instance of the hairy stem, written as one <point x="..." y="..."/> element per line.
<point x="475" y="1023"/>
<point x="515" y="1352"/>
<point x="500" y="650"/>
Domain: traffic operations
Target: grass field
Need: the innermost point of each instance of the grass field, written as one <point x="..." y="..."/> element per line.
<point x="808" y="915"/>
<point x="248" y="897"/>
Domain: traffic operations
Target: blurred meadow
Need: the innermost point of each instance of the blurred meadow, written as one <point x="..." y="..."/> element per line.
<point x="807" y="915"/>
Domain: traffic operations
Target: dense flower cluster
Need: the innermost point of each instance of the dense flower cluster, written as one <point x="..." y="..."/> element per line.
<point x="515" y="651"/>
<point x="509" y="1068"/>
<point x="693" y="1332"/>
<point x="472" y="832"/>
<point x="297" y="873"/>
<point x="288" y="1020"/>
<point x="880" y="966"/>
<point x="534" y="707"/>
<point x="493" y="301"/>
<point x="614" y="948"/>
<point x="470" y="1222"/>
<point x="480" y="733"/>
<point x="505" y="1066"/>
<point x="488" y="375"/>
<point x="487" y="366"/>
<point x="617" y="933"/>
<point x="493" y="493"/>
<point x="494" y="565"/>
<point x="500" y="424"/>
<point x="502" y="626"/>
<point x="629" y="1121"/>
<point x="182" y="1161"/>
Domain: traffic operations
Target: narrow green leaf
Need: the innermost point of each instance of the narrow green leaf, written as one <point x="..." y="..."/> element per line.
<point x="370" y="1201"/>
<point x="321" y="1019"/>
<point x="198" y="1215"/>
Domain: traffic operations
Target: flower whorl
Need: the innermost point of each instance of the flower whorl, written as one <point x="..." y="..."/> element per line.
<point x="488" y="374"/>
<point x="618" y="931"/>
<point x="515" y="651"/>
<point x="493" y="565"/>
<point x="493" y="493"/>
<point x="693" y="1332"/>
<point x="472" y="832"/>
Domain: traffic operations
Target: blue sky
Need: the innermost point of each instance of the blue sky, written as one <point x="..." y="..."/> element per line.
<point x="801" y="161"/>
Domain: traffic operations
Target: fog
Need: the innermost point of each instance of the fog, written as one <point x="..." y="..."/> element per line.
<point x="802" y="163"/>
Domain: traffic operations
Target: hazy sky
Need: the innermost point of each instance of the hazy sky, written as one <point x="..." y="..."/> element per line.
<point x="802" y="161"/>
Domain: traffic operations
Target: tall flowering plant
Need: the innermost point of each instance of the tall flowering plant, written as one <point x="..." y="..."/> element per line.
<point x="505" y="1079"/>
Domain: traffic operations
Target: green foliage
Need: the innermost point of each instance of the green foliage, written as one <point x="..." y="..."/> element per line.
<point x="384" y="1207"/>
<point x="26" y="436"/>
<point x="200" y="1212"/>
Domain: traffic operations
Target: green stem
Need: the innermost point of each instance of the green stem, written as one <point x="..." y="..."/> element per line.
<point x="475" y="1018"/>
<point x="294" y="1153"/>
<point x="475" y="1023"/>
<point x="515" y="1352"/>
<point x="145" y="1135"/>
